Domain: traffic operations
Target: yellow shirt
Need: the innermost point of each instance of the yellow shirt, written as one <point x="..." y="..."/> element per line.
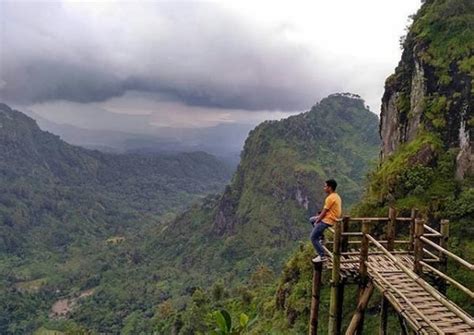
<point x="333" y="205"/>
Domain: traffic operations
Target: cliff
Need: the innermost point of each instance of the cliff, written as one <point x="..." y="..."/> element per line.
<point x="431" y="89"/>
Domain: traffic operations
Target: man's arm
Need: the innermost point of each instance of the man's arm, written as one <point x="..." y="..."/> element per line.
<point x="321" y="215"/>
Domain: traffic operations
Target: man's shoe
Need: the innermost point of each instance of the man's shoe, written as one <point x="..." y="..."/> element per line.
<point x="318" y="259"/>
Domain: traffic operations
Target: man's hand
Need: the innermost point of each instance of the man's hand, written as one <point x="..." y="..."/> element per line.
<point x="313" y="220"/>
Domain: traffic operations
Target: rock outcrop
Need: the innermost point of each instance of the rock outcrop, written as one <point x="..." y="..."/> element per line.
<point x="431" y="89"/>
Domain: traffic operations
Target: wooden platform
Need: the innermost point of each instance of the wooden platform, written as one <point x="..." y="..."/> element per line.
<point x="409" y="298"/>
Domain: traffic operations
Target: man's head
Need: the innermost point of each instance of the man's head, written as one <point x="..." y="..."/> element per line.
<point x="330" y="186"/>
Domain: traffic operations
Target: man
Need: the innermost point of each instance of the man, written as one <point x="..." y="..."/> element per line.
<point x="327" y="217"/>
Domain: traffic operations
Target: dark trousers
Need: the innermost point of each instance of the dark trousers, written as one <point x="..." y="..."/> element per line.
<point x="317" y="235"/>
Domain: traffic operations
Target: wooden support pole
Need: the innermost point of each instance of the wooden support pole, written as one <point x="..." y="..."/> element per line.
<point x="391" y="227"/>
<point x="342" y="283"/>
<point x="335" y="280"/>
<point x="363" y="274"/>
<point x="390" y="232"/>
<point x="414" y="214"/>
<point x="344" y="237"/>
<point x="340" y="304"/>
<point x="418" y="246"/>
<point x="443" y="264"/>
<point x="403" y="327"/>
<point x="383" y="316"/>
<point x="315" y="298"/>
<point x="358" y="316"/>
<point x="364" y="255"/>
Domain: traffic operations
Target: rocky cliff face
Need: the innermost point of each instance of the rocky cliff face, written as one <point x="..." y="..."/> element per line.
<point x="431" y="89"/>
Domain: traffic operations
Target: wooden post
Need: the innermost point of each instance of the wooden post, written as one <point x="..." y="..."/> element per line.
<point x="391" y="227"/>
<point x="403" y="327"/>
<point x="418" y="246"/>
<point x="390" y="234"/>
<point x="363" y="276"/>
<point x="315" y="298"/>
<point x="345" y="228"/>
<point x="414" y="214"/>
<point x="443" y="264"/>
<point x="383" y="316"/>
<point x="359" y="313"/>
<point x="335" y="280"/>
<point x="342" y="283"/>
<point x="364" y="254"/>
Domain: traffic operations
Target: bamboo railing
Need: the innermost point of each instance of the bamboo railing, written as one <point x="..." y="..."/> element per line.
<point x="416" y="245"/>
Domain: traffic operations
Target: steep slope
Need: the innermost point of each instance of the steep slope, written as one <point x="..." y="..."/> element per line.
<point x="262" y="215"/>
<point x="426" y="162"/>
<point x="279" y="183"/>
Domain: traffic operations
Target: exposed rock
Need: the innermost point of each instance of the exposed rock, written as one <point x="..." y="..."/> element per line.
<point x="425" y="156"/>
<point x="389" y="126"/>
<point x="425" y="94"/>
<point x="418" y="92"/>
<point x="465" y="158"/>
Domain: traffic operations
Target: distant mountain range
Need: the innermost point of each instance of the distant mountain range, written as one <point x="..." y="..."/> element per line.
<point x="224" y="140"/>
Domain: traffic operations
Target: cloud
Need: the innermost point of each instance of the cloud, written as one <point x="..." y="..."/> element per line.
<point x="138" y="66"/>
<point x="200" y="53"/>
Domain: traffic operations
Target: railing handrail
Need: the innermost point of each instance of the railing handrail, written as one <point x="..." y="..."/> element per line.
<point x="435" y="294"/>
<point x="448" y="253"/>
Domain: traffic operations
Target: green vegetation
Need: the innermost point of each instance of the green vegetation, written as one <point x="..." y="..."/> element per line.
<point x="262" y="214"/>
<point x="76" y="220"/>
<point x="420" y="173"/>
<point x="70" y="217"/>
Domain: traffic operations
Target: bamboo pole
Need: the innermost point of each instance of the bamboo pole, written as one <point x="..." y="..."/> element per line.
<point x="443" y="243"/>
<point x="428" y="288"/>
<point x="364" y="255"/>
<point x="403" y="328"/>
<point x="418" y="247"/>
<point x="429" y="253"/>
<point x="413" y="324"/>
<point x="363" y="274"/>
<point x="345" y="233"/>
<point x="315" y="298"/>
<point x="448" y="253"/>
<point x="383" y="316"/>
<point x="359" y="313"/>
<point x="451" y="280"/>
<point x="342" y="283"/>
<point x="432" y="231"/>
<point x="335" y="282"/>
<point x="408" y="302"/>
<point x="391" y="227"/>
<point x="414" y="214"/>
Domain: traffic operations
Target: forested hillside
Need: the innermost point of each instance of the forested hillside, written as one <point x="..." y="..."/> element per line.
<point x="263" y="214"/>
<point x="426" y="131"/>
<point x="61" y="205"/>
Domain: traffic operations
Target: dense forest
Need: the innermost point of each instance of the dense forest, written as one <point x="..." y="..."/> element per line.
<point x="62" y="208"/>
<point x="107" y="245"/>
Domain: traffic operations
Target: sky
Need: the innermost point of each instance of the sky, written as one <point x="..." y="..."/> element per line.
<point x="141" y="65"/>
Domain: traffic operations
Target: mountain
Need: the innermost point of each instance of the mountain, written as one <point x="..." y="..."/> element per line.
<point x="262" y="215"/>
<point x="61" y="205"/>
<point x="86" y="226"/>
<point x="222" y="140"/>
<point x="426" y="162"/>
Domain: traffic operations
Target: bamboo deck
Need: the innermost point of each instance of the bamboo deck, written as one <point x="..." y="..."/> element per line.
<point x="408" y="297"/>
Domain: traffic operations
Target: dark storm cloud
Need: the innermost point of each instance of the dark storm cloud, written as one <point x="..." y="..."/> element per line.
<point x="195" y="53"/>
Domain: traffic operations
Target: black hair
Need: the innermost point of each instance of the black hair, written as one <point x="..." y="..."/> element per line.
<point x="332" y="184"/>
